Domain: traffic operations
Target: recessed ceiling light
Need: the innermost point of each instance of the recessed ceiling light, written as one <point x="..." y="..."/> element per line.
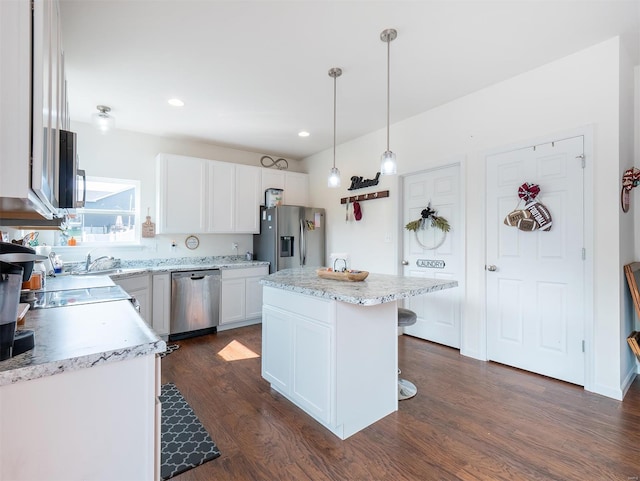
<point x="176" y="102"/>
<point x="303" y="133"/>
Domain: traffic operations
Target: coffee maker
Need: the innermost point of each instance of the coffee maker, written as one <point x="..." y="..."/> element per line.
<point x="10" y="284"/>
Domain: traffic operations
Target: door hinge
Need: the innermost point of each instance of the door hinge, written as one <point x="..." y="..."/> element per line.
<point x="584" y="254"/>
<point x="583" y="345"/>
<point x="583" y="162"/>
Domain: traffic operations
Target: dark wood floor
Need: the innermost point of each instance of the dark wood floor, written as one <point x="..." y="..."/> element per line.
<point x="471" y="420"/>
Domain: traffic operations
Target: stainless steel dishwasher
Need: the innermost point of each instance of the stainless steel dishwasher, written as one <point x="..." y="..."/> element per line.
<point x="195" y="303"/>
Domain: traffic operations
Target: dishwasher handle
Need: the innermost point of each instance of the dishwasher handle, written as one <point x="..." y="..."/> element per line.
<point x="197" y="278"/>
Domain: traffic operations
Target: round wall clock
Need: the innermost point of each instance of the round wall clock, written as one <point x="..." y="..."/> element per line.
<point x="192" y="242"/>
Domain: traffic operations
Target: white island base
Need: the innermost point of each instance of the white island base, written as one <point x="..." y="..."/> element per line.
<point x="337" y="361"/>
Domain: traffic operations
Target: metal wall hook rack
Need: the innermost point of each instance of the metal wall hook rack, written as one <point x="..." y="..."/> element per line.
<point x="362" y="197"/>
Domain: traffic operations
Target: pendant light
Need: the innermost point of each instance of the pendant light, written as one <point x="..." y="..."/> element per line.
<point x="388" y="164"/>
<point x="102" y="120"/>
<point x="334" y="173"/>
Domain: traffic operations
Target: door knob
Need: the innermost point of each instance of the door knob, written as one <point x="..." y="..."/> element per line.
<point x="405" y="263"/>
<point x="491" y="268"/>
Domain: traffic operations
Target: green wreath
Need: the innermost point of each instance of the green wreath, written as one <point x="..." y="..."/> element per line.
<point x="432" y="215"/>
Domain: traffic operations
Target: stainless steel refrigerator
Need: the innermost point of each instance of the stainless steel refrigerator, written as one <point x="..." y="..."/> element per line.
<point x="290" y="236"/>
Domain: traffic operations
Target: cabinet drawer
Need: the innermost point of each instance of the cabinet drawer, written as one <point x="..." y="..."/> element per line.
<point x="245" y="272"/>
<point x="308" y="306"/>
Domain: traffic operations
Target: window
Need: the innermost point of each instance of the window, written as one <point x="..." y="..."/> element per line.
<point x="110" y="214"/>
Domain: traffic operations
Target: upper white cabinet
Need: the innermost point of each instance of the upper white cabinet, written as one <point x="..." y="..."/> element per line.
<point x="181" y="189"/>
<point x="294" y="184"/>
<point x="32" y="92"/>
<point x="205" y="196"/>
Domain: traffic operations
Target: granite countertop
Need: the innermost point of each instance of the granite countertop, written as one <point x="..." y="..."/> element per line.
<point x="375" y="289"/>
<point x="78" y="337"/>
<point x="157" y="266"/>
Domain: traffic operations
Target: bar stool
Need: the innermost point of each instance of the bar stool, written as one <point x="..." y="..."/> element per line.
<point x="406" y="389"/>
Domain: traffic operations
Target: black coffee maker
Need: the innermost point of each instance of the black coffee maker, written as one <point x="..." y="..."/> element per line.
<point x="10" y="283"/>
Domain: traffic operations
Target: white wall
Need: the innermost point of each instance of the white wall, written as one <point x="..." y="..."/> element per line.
<point x="627" y="248"/>
<point x="581" y="90"/>
<point x="131" y="155"/>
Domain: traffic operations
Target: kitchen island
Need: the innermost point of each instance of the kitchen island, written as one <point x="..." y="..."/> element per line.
<point x="82" y="404"/>
<point x="330" y="346"/>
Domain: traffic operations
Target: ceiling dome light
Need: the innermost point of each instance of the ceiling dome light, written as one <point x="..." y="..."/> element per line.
<point x="176" y="102"/>
<point x="334" y="173"/>
<point x="303" y="133"/>
<point x="388" y="164"/>
<point x="102" y="120"/>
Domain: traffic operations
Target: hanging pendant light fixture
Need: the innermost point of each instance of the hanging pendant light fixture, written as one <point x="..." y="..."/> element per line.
<point x="388" y="164"/>
<point x="334" y="173"/>
<point x="102" y="120"/>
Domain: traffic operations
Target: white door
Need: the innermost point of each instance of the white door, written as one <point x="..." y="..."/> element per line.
<point x="432" y="254"/>
<point x="535" y="279"/>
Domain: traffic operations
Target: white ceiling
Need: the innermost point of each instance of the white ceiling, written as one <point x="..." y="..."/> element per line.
<point x="253" y="74"/>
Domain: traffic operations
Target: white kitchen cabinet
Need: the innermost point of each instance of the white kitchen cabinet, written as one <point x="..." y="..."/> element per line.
<point x="161" y="304"/>
<point x="294" y="184"/>
<point x="222" y="199"/>
<point x="241" y="296"/>
<point x="247" y="199"/>
<point x="181" y="191"/>
<point x="32" y="95"/>
<point x="96" y="423"/>
<point x="206" y="196"/>
<point x="138" y="287"/>
<point x="298" y="352"/>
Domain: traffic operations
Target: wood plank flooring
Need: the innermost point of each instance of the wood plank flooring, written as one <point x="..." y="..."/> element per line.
<point x="471" y="420"/>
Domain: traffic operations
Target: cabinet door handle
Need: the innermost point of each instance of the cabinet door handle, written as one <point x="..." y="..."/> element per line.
<point x="491" y="268"/>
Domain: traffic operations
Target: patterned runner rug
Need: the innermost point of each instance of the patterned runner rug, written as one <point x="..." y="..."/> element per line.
<point x="185" y="443"/>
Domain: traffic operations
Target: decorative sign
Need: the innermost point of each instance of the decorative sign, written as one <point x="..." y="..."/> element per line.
<point x="148" y="227"/>
<point x="535" y="214"/>
<point x="360" y="183"/>
<point x="431" y="263"/>
<point x="630" y="179"/>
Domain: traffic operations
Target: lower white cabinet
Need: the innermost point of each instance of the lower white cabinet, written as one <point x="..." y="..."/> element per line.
<point x="298" y="352"/>
<point x="161" y="302"/>
<point x="138" y="287"/>
<point x="97" y="423"/>
<point x="241" y="296"/>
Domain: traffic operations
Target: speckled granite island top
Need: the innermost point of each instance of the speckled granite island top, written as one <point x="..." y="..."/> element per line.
<point x="375" y="289"/>
<point x="78" y="337"/>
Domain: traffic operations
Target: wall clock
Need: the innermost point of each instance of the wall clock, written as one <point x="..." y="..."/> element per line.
<point x="192" y="242"/>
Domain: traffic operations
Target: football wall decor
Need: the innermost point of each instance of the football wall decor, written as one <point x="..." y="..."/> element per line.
<point x="534" y="215"/>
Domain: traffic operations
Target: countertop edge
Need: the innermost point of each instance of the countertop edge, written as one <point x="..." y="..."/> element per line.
<point x="360" y="300"/>
<point x="51" y="368"/>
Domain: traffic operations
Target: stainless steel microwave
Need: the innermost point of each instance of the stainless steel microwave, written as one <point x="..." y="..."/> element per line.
<point x="70" y="177"/>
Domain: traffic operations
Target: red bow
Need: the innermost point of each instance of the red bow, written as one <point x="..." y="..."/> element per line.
<point x="528" y="192"/>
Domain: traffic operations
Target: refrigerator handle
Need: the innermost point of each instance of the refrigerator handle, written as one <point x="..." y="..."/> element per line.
<point x="303" y="245"/>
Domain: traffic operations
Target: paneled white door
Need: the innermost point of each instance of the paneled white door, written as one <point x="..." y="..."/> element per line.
<point x="433" y="255"/>
<point x="535" y="279"/>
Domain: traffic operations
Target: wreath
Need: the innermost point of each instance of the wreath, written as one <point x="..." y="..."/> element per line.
<point x="435" y="221"/>
<point x="432" y="215"/>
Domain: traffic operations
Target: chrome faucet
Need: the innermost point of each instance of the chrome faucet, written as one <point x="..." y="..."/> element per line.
<point x="91" y="265"/>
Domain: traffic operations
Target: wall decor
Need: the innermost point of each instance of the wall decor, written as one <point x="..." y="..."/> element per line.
<point x="361" y="183"/>
<point x="148" y="227"/>
<point x="192" y="242"/>
<point x="280" y="164"/>
<point x="362" y="197"/>
<point x="534" y="215"/>
<point x="630" y="179"/>
<point x="434" y="225"/>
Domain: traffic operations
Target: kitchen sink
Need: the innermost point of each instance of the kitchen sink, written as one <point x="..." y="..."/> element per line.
<point x="97" y="272"/>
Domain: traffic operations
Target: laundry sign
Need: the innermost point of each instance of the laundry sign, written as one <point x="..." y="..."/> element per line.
<point x="431" y="263"/>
